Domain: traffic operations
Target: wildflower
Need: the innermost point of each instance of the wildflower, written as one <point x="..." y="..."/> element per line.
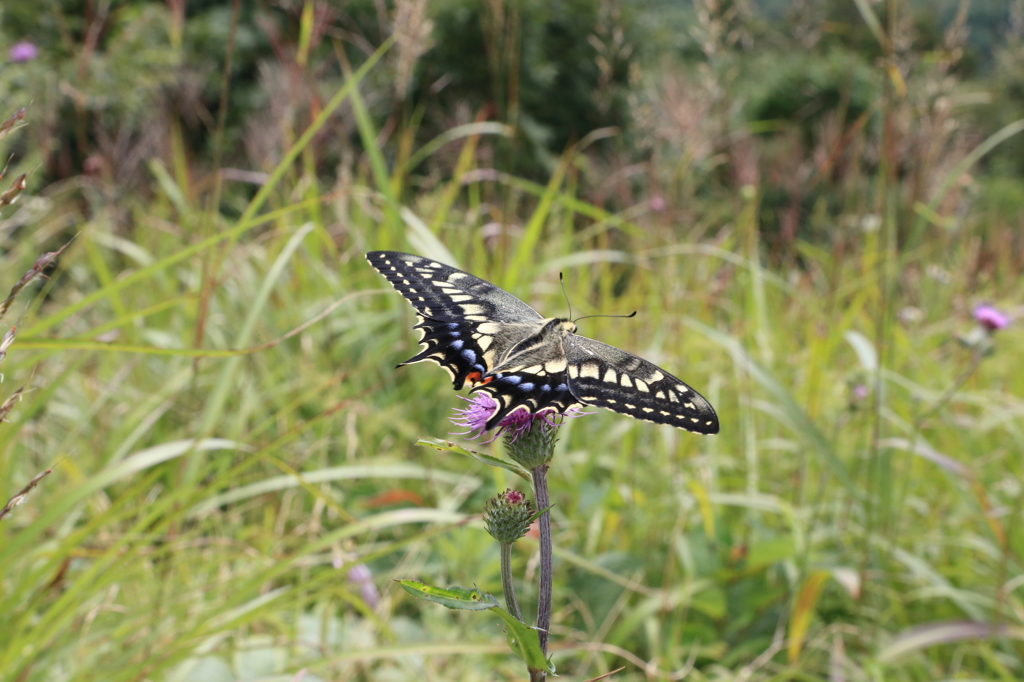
<point x="361" y="576"/>
<point x="516" y="423"/>
<point x="508" y="516"/>
<point x="475" y="417"/>
<point x="990" y="318"/>
<point x="989" y="322"/>
<point x="656" y="204"/>
<point x="23" y="52"/>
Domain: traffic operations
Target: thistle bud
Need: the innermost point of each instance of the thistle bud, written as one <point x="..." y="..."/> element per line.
<point x="533" y="444"/>
<point x="508" y="516"/>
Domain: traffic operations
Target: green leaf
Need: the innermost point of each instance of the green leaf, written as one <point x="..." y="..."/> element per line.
<point x="465" y="598"/>
<point x="448" y="446"/>
<point x="712" y="602"/>
<point x="522" y="639"/>
<point x="524" y="642"/>
<point x="767" y="552"/>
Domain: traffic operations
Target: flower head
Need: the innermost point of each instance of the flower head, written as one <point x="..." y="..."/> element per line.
<point x="23" y="51"/>
<point x="514" y="424"/>
<point x="475" y="416"/>
<point x="990" y="318"/>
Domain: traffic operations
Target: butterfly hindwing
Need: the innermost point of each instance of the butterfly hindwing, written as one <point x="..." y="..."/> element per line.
<point x="605" y="376"/>
<point x="532" y="392"/>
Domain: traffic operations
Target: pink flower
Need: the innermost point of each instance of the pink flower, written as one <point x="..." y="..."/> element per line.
<point x="990" y="318"/>
<point x="656" y="204"/>
<point x="513" y="497"/>
<point x="23" y="52"/>
<point x="517" y="422"/>
<point x="362" y="578"/>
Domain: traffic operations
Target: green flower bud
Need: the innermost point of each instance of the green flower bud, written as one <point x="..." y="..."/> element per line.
<point x="534" y="445"/>
<point x="508" y="516"/>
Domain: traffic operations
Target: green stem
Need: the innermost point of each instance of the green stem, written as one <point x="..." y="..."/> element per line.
<point x="506" y="580"/>
<point x="540" y="497"/>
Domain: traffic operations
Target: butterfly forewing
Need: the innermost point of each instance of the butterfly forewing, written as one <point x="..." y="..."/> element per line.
<point x="440" y="291"/>
<point x="465" y="322"/>
<point x="605" y="376"/>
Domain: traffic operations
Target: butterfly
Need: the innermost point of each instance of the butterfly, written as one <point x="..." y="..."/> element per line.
<point x="487" y="337"/>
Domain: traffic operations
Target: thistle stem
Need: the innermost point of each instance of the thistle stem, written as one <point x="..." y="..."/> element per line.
<point x="540" y="497"/>
<point x="506" y="580"/>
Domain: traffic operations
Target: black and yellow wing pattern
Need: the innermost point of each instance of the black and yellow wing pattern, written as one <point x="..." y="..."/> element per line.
<point x="487" y="337"/>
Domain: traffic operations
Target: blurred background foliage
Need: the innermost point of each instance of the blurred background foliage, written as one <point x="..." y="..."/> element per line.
<point x="805" y="200"/>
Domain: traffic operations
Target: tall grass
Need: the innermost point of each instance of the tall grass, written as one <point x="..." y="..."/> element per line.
<point x="854" y="520"/>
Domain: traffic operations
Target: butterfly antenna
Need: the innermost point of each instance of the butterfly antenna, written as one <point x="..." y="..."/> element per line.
<point x="587" y="317"/>
<point x="561" y="281"/>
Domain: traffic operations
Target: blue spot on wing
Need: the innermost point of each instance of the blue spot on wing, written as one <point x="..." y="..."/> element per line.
<point x="469" y="355"/>
<point x="457" y="344"/>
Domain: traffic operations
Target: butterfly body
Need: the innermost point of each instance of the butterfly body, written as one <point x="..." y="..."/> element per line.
<point x="487" y="337"/>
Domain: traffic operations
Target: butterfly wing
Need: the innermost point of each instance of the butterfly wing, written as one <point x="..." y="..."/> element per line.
<point x="527" y="391"/>
<point x="605" y="376"/>
<point x="469" y="326"/>
<point x="466" y="322"/>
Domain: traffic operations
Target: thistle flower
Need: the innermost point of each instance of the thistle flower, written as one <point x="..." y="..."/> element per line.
<point x="989" y="321"/>
<point x="516" y="423"/>
<point x="990" y="318"/>
<point x="23" y="51"/>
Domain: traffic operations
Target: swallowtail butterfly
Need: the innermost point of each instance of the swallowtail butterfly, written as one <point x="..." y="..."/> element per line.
<point x="486" y="336"/>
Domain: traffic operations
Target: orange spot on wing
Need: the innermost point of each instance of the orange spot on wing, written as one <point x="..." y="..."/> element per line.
<point x="477" y="378"/>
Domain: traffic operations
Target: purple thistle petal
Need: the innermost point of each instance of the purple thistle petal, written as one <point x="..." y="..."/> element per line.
<point x="990" y="318"/>
<point x="23" y="52"/>
<point x="517" y="422"/>
<point x="474" y="417"/>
